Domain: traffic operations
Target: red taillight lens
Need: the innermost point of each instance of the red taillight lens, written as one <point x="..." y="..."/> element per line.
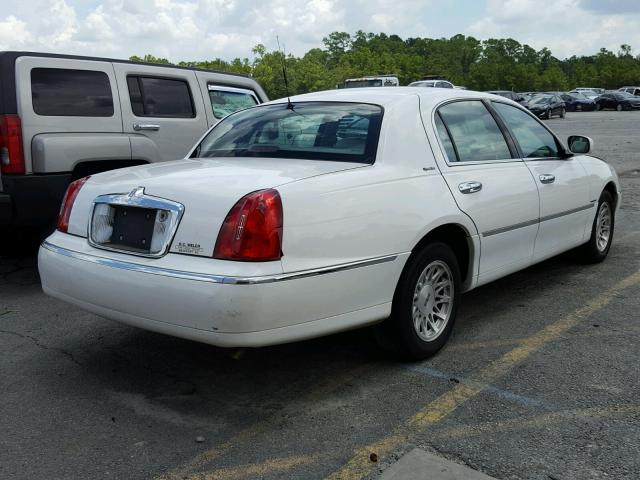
<point x="67" y="203"/>
<point x="252" y="231"/>
<point x="11" y="154"/>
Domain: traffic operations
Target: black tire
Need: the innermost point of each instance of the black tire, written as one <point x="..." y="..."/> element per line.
<point x="397" y="334"/>
<point x="549" y="114"/>
<point x="590" y="252"/>
<point x="619" y="107"/>
<point x="563" y="113"/>
<point x="598" y="107"/>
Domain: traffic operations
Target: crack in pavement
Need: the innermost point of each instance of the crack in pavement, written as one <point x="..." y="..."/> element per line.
<point x="42" y="346"/>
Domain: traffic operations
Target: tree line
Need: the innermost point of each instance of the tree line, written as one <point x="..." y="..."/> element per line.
<point x="493" y="64"/>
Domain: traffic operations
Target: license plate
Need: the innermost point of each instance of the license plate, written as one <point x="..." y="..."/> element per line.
<point x="133" y="227"/>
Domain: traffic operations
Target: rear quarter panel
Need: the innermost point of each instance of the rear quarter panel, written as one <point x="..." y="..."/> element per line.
<point x="383" y="209"/>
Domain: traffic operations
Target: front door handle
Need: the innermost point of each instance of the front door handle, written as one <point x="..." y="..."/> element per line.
<point x="547" y="178"/>
<point x="145" y="126"/>
<point x="470" y="187"/>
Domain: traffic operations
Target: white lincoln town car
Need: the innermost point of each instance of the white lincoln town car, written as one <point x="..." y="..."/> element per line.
<point x="330" y="211"/>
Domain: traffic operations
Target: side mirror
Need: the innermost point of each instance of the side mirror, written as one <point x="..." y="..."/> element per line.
<point x="580" y="144"/>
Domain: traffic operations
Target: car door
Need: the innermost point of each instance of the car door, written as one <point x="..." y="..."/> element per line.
<point x="565" y="206"/>
<point x="162" y="110"/>
<point x="493" y="187"/>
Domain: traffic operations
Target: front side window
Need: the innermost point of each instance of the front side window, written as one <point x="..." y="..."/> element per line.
<point x="226" y="102"/>
<point x="66" y="92"/>
<point x="535" y="141"/>
<point x="160" y="97"/>
<point x="474" y="132"/>
<point x="344" y="132"/>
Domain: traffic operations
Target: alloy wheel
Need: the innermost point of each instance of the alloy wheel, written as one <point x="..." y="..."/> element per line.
<point x="433" y="300"/>
<point x="603" y="227"/>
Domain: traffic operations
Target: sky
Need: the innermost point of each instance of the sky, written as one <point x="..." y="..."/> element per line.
<point x="207" y="29"/>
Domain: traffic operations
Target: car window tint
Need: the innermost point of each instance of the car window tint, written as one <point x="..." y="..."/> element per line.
<point x="71" y="93"/>
<point x="535" y="141"/>
<point x="226" y="102"/>
<point x="160" y="97"/>
<point x="343" y="132"/>
<point x="446" y="140"/>
<point x="474" y="132"/>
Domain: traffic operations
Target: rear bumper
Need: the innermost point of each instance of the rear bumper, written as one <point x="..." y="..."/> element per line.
<point x="219" y="310"/>
<point x="31" y="200"/>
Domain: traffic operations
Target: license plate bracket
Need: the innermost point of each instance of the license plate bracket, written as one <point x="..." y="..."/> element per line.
<point x="133" y="227"/>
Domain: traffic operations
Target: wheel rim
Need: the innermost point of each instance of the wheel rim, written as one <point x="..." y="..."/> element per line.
<point x="603" y="227"/>
<point x="432" y="300"/>
<point x="619" y="108"/>
<point x="549" y="114"/>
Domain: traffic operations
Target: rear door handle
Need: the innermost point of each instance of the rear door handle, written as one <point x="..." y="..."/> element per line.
<point x="470" y="187"/>
<point x="145" y="126"/>
<point x="547" y="178"/>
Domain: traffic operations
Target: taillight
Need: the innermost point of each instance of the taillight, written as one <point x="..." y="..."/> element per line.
<point x="11" y="154"/>
<point x="67" y="203"/>
<point x="252" y="231"/>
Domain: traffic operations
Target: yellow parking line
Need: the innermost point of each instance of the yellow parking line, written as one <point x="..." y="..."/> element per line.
<point x="253" y="431"/>
<point x="538" y="421"/>
<point x="360" y="465"/>
<point x="255" y="470"/>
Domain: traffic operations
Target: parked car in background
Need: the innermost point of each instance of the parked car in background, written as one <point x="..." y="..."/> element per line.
<point x="546" y="105"/>
<point x="65" y="117"/>
<point x="432" y="83"/>
<point x="372" y="81"/>
<point x="632" y="90"/>
<point x="516" y="97"/>
<point x="617" y="101"/>
<point x="242" y="244"/>
<point x="577" y="102"/>
<point x="591" y="93"/>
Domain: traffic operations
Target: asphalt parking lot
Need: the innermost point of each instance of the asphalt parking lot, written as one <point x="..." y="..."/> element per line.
<point x="540" y="380"/>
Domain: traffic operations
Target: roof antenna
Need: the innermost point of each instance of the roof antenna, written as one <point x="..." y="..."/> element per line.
<point x="284" y="74"/>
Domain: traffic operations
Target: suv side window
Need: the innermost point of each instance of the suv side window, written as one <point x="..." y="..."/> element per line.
<point x="225" y="101"/>
<point x="535" y="141"/>
<point x="474" y="132"/>
<point x="160" y="97"/>
<point x="63" y="92"/>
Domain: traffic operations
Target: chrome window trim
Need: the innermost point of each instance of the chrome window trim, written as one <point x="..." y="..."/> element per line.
<point x="528" y="223"/>
<point x="211" y="278"/>
<point x="137" y="198"/>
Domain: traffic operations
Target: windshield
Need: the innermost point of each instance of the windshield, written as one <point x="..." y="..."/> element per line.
<point x="363" y="83"/>
<point x="579" y="96"/>
<point x="344" y="132"/>
<point x="625" y="95"/>
<point x="540" y="99"/>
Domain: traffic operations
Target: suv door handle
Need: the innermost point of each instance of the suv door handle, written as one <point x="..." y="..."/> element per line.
<point x="547" y="178"/>
<point x="145" y="126"/>
<point x="470" y="187"/>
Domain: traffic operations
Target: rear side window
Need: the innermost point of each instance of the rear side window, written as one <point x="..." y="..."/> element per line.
<point x="65" y="92"/>
<point x="225" y="102"/>
<point x="474" y="132"/>
<point x="160" y="97"/>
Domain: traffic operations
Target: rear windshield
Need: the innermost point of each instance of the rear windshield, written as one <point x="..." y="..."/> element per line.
<point x="346" y="132"/>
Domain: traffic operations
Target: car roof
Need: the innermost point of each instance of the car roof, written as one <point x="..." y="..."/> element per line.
<point x="429" y="97"/>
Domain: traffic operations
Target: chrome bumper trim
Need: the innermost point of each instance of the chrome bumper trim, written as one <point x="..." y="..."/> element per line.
<point x="205" y="277"/>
